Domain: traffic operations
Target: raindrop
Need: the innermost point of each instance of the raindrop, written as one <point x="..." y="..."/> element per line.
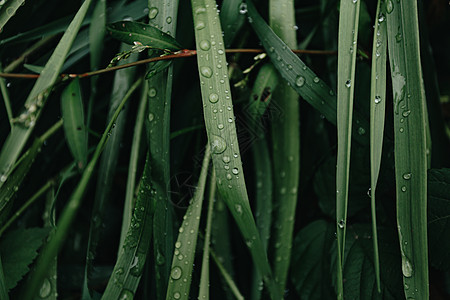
<point x="126" y="295"/>
<point x="381" y="18"/>
<point x="377" y="99"/>
<point x="401" y="129"/>
<point x="238" y="208"/>
<point x="235" y="155"/>
<point x="300" y="81"/>
<point x="169" y="20"/>
<point x="178" y="245"/>
<point x="348" y="83"/>
<point x="152" y="92"/>
<point x="213" y="97"/>
<point x="200" y="25"/>
<point x="243" y="8"/>
<point x="235" y="171"/>
<point x="403" y="188"/>
<point x="220" y="126"/>
<point x="399" y="37"/>
<point x="226" y="159"/>
<point x="316" y="79"/>
<point x="151" y="117"/>
<point x="229" y="177"/>
<point x="176" y="273"/>
<point x="218" y="144"/>
<point x="205" y="45"/>
<point x="341" y="224"/>
<point x="369" y="192"/>
<point x="407" y="268"/>
<point x="176" y="295"/>
<point x="406" y="113"/>
<point x="389" y="6"/>
<point x="200" y="10"/>
<point x="354" y="1"/>
<point x="295" y="27"/>
<point x="153" y="12"/>
<point x="361" y="131"/>
<point x="230" y="120"/>
<point x="220" y="51"/>
<point x="407" y="176"/>
<point x="3" y="178"/>
<point x="206" y="71"/>
<point x="46" y="289"/>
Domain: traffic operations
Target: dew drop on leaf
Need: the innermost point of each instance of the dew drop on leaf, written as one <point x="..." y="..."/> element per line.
<point x="176" y="273"/>
<point x="205" y="45"/>
<point x="152" y="13"/>
<point x="206" y="72"/>
<point x="300" y="81"/>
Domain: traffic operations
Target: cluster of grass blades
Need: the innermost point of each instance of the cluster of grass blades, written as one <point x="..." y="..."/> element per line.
<point x="119" y="118"/>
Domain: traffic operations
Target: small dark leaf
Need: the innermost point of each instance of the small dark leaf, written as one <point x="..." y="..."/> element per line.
<point x="156" y="67"/>
<point x="18" y="249"/>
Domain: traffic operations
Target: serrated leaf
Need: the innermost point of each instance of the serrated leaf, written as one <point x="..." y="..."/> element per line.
<point x="439" y="217"/>
<point x="358" y="269"/>
<point x="74" y="124"/>
<point x="310" y="268"/>
<point x="130" y="32"/>
<point x="18" y="249"/>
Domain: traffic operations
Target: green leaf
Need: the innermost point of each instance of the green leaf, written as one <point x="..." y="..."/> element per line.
<point x="310" y="268"/>
<point x="74" y="124"/>
<point x="232" y="17"/>
<point x="304" y="81"/>
<point x="18" y="249"/>
<point x="8" y="10"/>
<point x="439" y="217"/>
<point x="410" y="137"/>
<point x="130" y="32"/>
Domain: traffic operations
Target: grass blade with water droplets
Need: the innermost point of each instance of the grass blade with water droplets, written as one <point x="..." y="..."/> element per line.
<point x="347" y="45"/>
<point x="285" y="147"/>
<point x="8" y="10"/>
<point x="38" y="95"/>
<point x="130" y="32"/>
<point x="221" y="130"/>
<point x="159" y="97"/>
<point x="184" y="254"/>
<point x="232" y="18"/>
<point x="377" y="115"/>
<point x="304" y="81"/>
<point x="72" y="112"/>
<point x="410" y="145"/>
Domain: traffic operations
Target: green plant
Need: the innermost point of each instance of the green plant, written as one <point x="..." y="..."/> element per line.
<point x="329" y="137"/>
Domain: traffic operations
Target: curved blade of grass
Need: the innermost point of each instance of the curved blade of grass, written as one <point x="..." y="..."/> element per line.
<point x="132" y="256"/>
<point x="130" y="32"/>
<point x="410" y="145"/>
<point x="221" y="130"/>
<point x="227" y="277"/>
<point x="204" y="277"/>
<point x="68" y="214"/>
<point x="347" y="45"/>
<point x="158" y="139"/>
<point x="8" y="10"/>
<point x="108" y="163"/>
<point x="133" y="165"/>
<point x="300" y="77"/>
<point x="184" y="254"/>
<point x="377" y="115"/>
<point x="286" y="148"/>
<point x="232" y="17"/>
<point x="72" y="112"/>
<point x="20" y="132"/>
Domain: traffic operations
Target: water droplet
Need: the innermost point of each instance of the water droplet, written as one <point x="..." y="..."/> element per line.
<point x="213" y="97"/>
<point x="176" y="295"/>
<point x="341" y="224"/>
<point x="200" y="25"/>
<point x="3" y="178"/>
<point x="205" y="45"/>
<point x="235" y="171"/>
<point x="300" y="81"/>
<point x="348" y="83"/>
<point x="295" y="27"/>
<point x="46" y="289"/>
<point x="316" y="79"/>
<point x="401" y="129"/>
<point x="238" y="208"/>
<point x="354" y="1"/>
<point x="218" y="144"/>
<point x="152" y="13"/>
<point x="176" y="273"/>
<point x="220" y="51"/>
<point x="361" y="131"/>
<point x="369" y="192"/>
<point x="406" y="113"/>
<point x="178" y="245"/>
<point x="152" y="92"/>
<point x="206" y="71"/>
<point x="389" y="6"/>
<point x="407" y="268"/>
<point x="243" y="8"/>
<point x="160" y="259"/>
<point x="403" y="188"/>
<point x="226" y="159"/>
<point x="381" y="18"/>
<point x="126" y="295"/>
<point x="169" y="20"/>
<point x="220" y="126"/>
<point x="200" y="10"/>
<point x="151" y="117"/>
<point x="399" y="37"/>
<point x="407" y="176"/>
<point x="230" y="120"/>
<point x="229" y="177"/>
<point x="377" y="99"/>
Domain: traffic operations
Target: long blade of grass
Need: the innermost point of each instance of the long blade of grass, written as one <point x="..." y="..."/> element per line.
<point x="304" y="81"/>
<point x="72" y="112"/>
<point x="221" y="130"/>
<point x="286" y="147"/>
<point x="410" y="145"/>
<point x="3" y="289"/>
<point x="158" y="139"/>
<point x="69" y="212"/>
<point x="36" y="99"/>
<point x="6" y="100"/>
<point x="232" y="17"/>
<point x="8" y="10"/>
<point x="227" y="277"/>
<point x="347" y="45"/>
<point x="204" y="277"/>
<point x="377" y="115"/>
<point x="184" y="254"/>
